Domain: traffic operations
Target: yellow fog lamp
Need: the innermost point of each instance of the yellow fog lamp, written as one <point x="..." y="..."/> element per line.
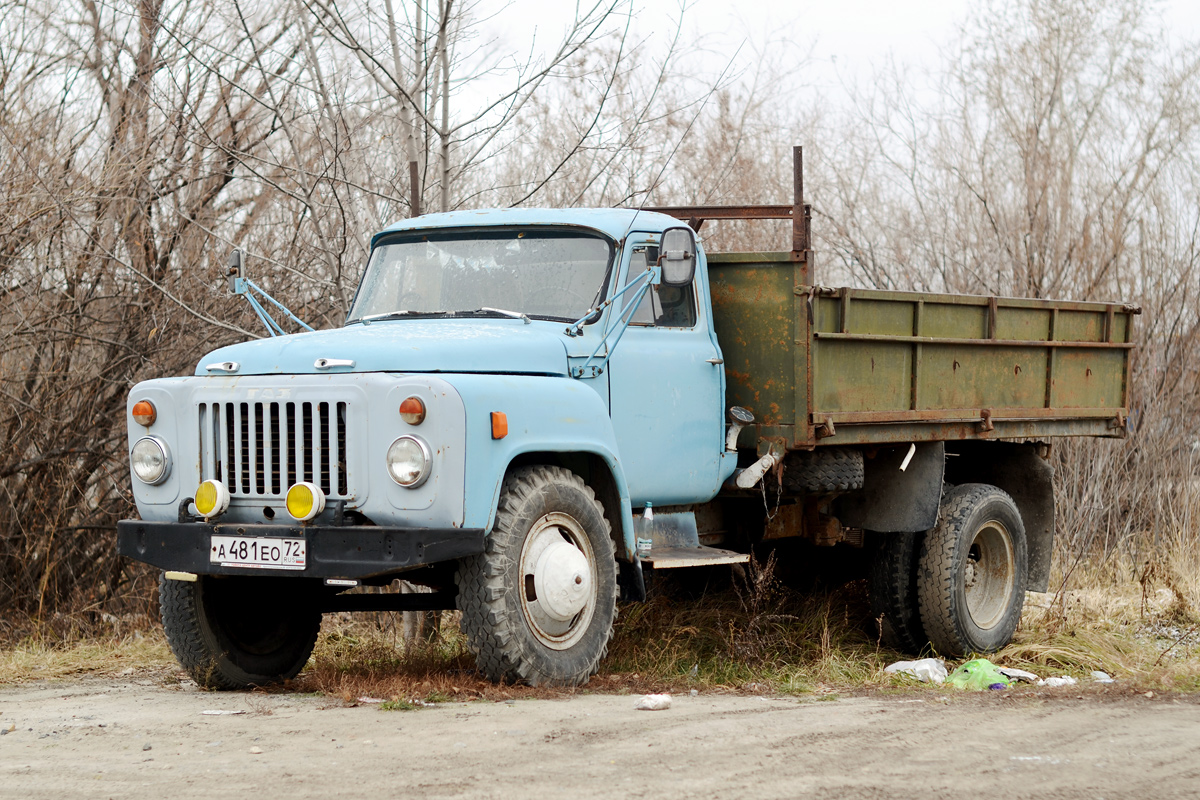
<point x="212" y="499"/>
<point x="305" y="501"/>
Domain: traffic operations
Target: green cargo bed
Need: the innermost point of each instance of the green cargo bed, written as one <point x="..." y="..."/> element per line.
<point x="822" y="366"/>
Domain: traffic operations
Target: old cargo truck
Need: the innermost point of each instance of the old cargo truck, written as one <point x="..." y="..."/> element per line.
<point x="527" y="409"/>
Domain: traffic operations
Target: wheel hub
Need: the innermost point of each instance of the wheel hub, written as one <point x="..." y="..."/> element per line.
<point x="563" y="581"/>
<point x="990" y="574"/>
<point x="558" y="574"/>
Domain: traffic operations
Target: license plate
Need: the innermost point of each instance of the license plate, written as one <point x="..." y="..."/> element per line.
<point x="257" y="552"/>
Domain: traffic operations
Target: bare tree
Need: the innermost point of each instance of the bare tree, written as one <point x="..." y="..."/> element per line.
<point x="140" y="141"/>
<point x="121" y="152"/>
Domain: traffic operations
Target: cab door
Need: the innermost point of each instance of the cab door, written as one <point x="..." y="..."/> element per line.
<point x="667" y="390"/>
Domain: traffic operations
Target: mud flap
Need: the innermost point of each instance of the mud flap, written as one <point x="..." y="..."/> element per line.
<point x="631" y="581"/>
<point x="1029" y="480"/>
<point x="893" y="499"/>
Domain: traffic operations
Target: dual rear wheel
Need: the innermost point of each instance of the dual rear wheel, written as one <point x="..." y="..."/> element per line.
<point x="959" y="587"/>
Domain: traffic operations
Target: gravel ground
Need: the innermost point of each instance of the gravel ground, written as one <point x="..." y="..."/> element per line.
<point x="138" y="738"/>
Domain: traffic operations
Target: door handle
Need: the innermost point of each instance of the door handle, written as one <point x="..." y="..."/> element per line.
<point x="328" y="363"/>
<point x="715" y="361"/>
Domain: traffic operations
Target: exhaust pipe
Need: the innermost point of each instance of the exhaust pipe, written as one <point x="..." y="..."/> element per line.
<point x="738" y="419"/>
<point x="749" y="477"/>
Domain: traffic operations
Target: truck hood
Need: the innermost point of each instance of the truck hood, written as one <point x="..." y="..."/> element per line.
<point x="506" y="346"/>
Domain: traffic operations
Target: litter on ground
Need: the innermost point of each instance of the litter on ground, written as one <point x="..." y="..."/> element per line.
<point x="924" y="670"/>
<point x="654" y="702"/>
<point x="978" y="674"/>
<point x="1018" y="674"/>
<point x="1065" y="680"/>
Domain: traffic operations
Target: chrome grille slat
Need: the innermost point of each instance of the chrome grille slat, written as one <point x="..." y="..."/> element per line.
<point x="241" y="461"/>
<point x="323" y="451"/>
<point x="343" y="489"/>
<point x="260" y="449"/>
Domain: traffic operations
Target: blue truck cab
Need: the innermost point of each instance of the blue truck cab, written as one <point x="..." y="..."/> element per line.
<point x="510" y="390"/>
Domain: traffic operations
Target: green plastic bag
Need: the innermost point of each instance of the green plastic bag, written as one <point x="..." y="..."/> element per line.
<point x="978" y="674"/>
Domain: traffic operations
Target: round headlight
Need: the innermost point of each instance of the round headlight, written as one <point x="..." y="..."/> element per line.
<point x="151" y="460"/>
<point x="304" y="501"/>
<point x="408" y="461"/>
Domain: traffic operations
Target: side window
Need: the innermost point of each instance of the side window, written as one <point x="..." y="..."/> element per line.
<point x="662" y="306"/>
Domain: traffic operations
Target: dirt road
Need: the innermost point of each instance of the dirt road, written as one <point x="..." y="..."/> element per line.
<point x="140" y="739"/>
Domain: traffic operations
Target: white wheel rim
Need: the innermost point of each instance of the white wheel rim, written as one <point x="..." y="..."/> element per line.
<point x="989" y="575"/>
<point x="558" y="579"/>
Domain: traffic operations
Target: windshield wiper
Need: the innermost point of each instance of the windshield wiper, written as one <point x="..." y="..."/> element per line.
<point x="489" y="312"/>
<point x="478" y="312"/>
<point x="506" y="313"/>
<point x="367" y="320"/>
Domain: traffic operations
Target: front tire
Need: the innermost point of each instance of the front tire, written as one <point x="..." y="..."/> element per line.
<point x="238" y="632"/>
<point x="973" y="572"/>
<point x="538" y="606"/>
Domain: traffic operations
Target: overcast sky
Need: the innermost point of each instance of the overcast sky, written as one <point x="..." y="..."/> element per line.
<point x="846" y="36"/>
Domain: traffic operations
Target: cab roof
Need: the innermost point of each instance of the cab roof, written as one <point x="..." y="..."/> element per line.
<point x="613" y="222"/>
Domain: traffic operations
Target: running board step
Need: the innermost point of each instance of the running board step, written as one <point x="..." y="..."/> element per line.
<point x="675" y="557"/>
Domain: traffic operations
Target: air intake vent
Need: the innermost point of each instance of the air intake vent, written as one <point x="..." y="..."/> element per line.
<point x="261" y="449"/>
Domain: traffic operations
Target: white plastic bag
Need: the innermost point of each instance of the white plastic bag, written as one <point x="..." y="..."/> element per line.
<point x="654" y="702"/>
<point x="925" y="670"/>
<point x="1065" y="680"/>
<point x="1018" y="674"/>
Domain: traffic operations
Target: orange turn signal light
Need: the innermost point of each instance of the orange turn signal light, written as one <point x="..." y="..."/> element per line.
<point x="144" y="413"/>
<point x="499" y="425"/>
<point x="412" y="411"/>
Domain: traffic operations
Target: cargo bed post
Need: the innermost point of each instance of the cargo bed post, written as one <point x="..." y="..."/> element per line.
<point x="799" y="212"/>
<point x="801" y="220"/>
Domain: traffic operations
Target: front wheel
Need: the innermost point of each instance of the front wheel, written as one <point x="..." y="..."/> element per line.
<point x="238" y="632"/>
<point x="972" y="573"/>
<point x="538" y="606"/>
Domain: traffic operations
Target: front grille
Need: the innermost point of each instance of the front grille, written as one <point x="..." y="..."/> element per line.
<point x="262" y="449"/>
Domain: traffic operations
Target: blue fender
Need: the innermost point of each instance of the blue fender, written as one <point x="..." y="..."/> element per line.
<point x="545" y="414"/>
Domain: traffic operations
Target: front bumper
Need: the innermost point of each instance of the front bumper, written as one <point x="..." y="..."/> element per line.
<point x="360" y="551"/>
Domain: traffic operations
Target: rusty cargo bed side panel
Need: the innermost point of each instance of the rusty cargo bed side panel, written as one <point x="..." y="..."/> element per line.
<point x="821" y="366"/>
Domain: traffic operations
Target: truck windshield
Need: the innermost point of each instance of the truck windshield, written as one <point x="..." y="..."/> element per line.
<point x="557" y="275"/>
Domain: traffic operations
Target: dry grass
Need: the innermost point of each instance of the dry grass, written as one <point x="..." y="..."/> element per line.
<point x="1137" y="622"/>
<point x="42" y="659"/>
<point x="759" y="636"/>
<point x="69" y="645"/>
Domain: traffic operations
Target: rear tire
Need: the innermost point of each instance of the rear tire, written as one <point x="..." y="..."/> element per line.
<point x="238" y="632"/>
<point x="895" y="605"/>
<point x="973" y="572"/>
<point x="534" y="610"/>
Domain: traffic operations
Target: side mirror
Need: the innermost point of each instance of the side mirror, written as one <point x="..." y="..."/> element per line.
<point x="678" y="256"/>
<point x="235" y="270"/>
